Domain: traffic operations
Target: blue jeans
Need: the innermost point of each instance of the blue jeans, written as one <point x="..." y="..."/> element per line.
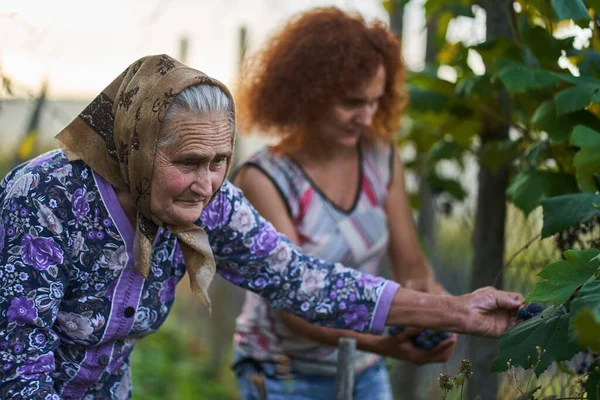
<point x="259" y="381"/>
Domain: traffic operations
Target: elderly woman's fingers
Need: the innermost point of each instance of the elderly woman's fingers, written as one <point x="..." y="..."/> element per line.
<point x="509" y="300"/>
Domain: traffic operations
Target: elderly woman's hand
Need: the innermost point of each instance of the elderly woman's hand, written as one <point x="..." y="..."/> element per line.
<point x="484" y="312"/>
<point x="401" y="347"/>
<point x="489" y="312"/>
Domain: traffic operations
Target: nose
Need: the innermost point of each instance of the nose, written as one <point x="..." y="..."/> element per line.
<point x="365" y="114"/>
<point x="202" y="185"/>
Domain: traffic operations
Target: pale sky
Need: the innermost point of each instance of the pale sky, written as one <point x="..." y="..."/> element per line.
<point x="81" y="45"/>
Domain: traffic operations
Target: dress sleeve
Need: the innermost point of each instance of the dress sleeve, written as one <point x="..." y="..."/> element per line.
<point x="251" y="254"/>
<point x="33" y="278"/>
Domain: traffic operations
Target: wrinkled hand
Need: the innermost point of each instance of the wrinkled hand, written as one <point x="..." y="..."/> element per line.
<point x="401" y="347"/>
<point x="489" y="311"/>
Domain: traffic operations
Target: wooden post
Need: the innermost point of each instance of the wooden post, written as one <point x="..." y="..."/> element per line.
<point x="344" y="383"/>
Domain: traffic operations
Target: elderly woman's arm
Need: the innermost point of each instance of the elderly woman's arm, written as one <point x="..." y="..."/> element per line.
<point x="251" y="254"/>
<point x="32" y="282"/>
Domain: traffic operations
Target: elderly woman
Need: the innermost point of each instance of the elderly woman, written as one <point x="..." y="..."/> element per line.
<point x="95" y="236"/>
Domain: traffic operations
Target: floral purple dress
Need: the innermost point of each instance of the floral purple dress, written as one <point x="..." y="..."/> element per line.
<point x="72" y="305"/>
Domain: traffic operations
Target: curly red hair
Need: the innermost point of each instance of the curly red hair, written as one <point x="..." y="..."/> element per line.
<point x="289" y="85"/>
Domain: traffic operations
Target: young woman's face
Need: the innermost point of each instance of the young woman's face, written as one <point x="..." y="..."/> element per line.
<point x="187" y="173"/>
<point x="353" y="115"/>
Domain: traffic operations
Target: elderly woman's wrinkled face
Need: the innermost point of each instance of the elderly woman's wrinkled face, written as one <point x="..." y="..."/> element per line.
<point x="187" y="173"/>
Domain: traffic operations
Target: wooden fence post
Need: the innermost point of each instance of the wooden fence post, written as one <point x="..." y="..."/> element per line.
<point x="344" y="382"/>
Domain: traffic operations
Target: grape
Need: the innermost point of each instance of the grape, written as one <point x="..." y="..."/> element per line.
<point x="419" y="342"/>
<point x="523" y="314"/>
<point x="534" y="308"/>
<point x="426" y="339"/>
<point x="530" y="311"/>
<point x="396" y="330"/>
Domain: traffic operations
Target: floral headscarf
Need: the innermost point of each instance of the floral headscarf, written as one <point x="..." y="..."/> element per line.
<point x="117" y="135"/>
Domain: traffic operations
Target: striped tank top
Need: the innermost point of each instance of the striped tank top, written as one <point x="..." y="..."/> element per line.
<point x="357" y="238"/>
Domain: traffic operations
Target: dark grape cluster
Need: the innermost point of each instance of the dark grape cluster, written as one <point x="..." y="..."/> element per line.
<point x="427" y="339"/>
<point x="530" y="311"/>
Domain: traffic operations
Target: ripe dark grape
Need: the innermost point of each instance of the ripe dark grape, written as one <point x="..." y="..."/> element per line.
<point x="396" y="330"/>
<point x="530" y="311"/>
<point x="426" y="339"/>
<point x="534" y="308"/>
<point x="523" y="314"/>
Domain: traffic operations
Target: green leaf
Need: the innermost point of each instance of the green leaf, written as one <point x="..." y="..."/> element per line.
<point x="474" y="85"/>
<point x="518" y="78"/>
<point x="587" y="159"/>
<point x="546" y="48"/>
<point x="528" y="189"/>
<point x="588" y="61"/>
<point x="496" y="154"/>
<point x="564" y="276"/>
<point x="585" y="319"/>
<point x="584" y="137"/>
<point x="549" y="331"/>
<point x="534" y="153"/>
<point x="426" y="100"/>
<point x="456" y="7"/>
<point x="451" y="186"/>
<point x="576" y="98"/>
<point x="562" y="212"/>
<point x="444" y="150"/>
<point x="570" y="9"/>
<point x="559" y="127"/>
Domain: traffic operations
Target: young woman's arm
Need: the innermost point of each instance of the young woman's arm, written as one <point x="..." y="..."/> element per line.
<point x="263" y="195"/>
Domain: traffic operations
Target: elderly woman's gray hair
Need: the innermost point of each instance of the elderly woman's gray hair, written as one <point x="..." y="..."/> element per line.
<point x="206" y="100"/>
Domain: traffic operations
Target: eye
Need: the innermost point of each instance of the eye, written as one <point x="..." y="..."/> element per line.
<point x="217" y="162"/>
<point x="187" y="163"/>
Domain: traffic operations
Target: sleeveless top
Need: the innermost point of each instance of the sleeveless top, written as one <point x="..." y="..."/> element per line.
<point x="357" y="238"/>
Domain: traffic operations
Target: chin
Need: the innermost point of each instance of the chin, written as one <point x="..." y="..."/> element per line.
<point x="184" y="218"/>
<point x="349" y="141"/>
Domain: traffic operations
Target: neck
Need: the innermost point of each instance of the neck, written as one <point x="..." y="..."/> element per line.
<point x="332" y="155"/>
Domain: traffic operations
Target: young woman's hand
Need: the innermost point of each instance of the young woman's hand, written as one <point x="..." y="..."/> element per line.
<point x="401" y="347"/>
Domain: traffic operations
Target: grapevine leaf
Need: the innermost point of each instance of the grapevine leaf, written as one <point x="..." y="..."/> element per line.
<point x="559" y="127"/>
<point x="576" y="98"/>
<point x="587" y="159"/>
<point x="426" y="100"/>
<point x="570" y="9"/>
<point x="585" y="137"/>
<point x="528" y="189"/>
<point x="474" y="85"/>
<point x="535" y="151"/>
<point x="580" y="208"/>
<point x="585" y="311"/>
<point x="496" y="154"/>
<point x="445" y="150"/>
<point x="519" y="78"/>
<point x="451" y="186"/>
<point x="549" y="330"/>
<point x="564" y="276"/>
